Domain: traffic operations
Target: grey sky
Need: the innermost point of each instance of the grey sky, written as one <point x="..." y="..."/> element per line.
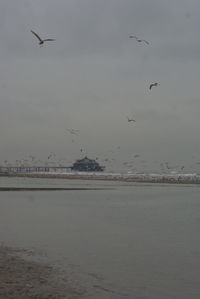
<point x="94" y="76"/>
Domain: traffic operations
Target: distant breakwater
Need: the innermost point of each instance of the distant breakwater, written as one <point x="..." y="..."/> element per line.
<point x="135" y="178"/>
<point x="46" y="189"/>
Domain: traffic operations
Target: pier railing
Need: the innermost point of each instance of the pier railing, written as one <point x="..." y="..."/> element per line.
<point x="31" y="169"/>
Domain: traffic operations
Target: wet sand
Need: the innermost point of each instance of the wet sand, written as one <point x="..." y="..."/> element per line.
<point x="22" y="278"/>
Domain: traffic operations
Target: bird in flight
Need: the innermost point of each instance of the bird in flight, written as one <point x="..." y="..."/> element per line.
<point x="139" y="40"/>
<point x="73" y="131"/>
<point x="131" y="119"/>
<point x="153" y="84"/>
<point x="41" y="41"/>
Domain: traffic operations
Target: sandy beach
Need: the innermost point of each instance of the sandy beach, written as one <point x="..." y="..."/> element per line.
<point x="22" y="278"/>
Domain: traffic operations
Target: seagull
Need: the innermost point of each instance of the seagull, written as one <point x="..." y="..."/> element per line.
<point x="139" y="40"/>
<point x="73" y="131"/>
<point x="153" y="84"/>
<point x="131" y="119"/>
<point x="41" y="41"/>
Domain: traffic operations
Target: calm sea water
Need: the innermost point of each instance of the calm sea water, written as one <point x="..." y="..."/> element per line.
<point x="127" y="241"/>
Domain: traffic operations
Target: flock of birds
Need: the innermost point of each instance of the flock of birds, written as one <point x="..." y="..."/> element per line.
<point x="136" y="163"/>
<point x="139" y="40"/>
<point x="52" y="158"/>
<point x="75" y="132"/>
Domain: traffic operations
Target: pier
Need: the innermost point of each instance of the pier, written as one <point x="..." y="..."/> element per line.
<point x="33" y="169"/>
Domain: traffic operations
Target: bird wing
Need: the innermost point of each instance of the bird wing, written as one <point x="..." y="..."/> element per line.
<point x="150" y="87"/>
<point x="70" y="131"/>
<point x="48" y="39"/>
<point x="36" y="35"/>
<point x="133" y="36"/>
<point x="145" y="41"/>
<point x="130" y="119"/>
<point x="74" y="132"/>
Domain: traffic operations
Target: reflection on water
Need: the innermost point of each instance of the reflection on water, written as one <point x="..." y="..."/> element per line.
<point x="132" y="241"/>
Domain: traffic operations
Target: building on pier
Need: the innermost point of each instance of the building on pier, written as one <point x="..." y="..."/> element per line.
<point x="87" y="164"/>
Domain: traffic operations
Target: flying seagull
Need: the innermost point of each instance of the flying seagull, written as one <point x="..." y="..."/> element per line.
<point x="131" y="119"/>
<point x="41" y="41"/>
<point x="139" y="40"/>
<point x="153" y="84"/>
<point x="73" y="131"/>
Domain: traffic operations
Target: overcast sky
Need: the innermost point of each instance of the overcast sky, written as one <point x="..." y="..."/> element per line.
<point x="93" y="77"/>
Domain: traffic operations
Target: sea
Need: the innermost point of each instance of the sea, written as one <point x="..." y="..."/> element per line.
<point x="122" y="240"/>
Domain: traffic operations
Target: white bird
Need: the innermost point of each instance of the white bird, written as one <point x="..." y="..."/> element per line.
<point x="139" y="40"/>
<point x="153" y="84"/>
<point x="41" y="41"/>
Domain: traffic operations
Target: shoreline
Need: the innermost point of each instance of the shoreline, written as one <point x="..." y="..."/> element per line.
<point x="192" y="179"/>
<point x="5" y="189"/>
